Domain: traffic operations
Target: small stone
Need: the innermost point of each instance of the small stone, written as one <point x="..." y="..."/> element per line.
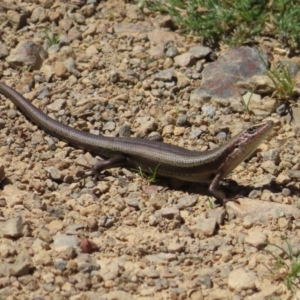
<point x="45" y="236"/>
<point x="38" y="14"/>
<point x="272" y="154"/>
<point x="205" y="280"/>
<point x="286" y="192"/>
<point x="222" y="136"/>
<point x="204" y="226"/>
<point x="240" y="280"/>
<point x="5" y="269"/>
<point x="133" y="203"/>
<point x="7" y="250"/>
<point x="269" y="166"/>
<point x="42" y="258"/>
<point x="181" y="120"/>
<point x="109" y="271"/>
<point x="195" y="133"/>
<point x="255" y="194"/>
<point x="74" y="34"/>
<point x="161" y="37"/>
<point x="57" y="105"/>
<point x="151" y="273"/>
<point x="294" y="174"/>
<point x="54" y="173"/>
<point x="196" y="295"/>
<point x="72" y="266"/>
<point x="185" y="60"/>
<point x="13" y="196"/>
<point x="87" y="246"/>
<point x="13" y="228"/>
<point x="219" y="294"/>
<point x="62" y="242"/>
<point x="168" y="129"/>
<point x="256" y="239"/>
<point x="200" y="51"/>
<point x="116" y="295"/>
<point x="61" y="265"/>
<point x="283" y="223"/>
<point x="54" y="226"/>
<point x="22" y="265"/>
<point x="91" y="50"/>
<point x="179" y="131"/>
<point x="248" y="222"/>
<point x="109" y="126"/>
<point x="218" y="214"/>
<point x="90" y="210"/>
<point x="125" y="130"/>
<point x="187" y="201"/>
<point x="91" y="30"/>
<point x="11" y="113"/>
<point x="172" y="52"/>
<point x="27" y="54"/>
<point x="170" y="213"/>
<point x="157" y="52"/>
<point x="3" y="50"/>
<point x="182" y="80"/>
<point x="165" y="75"/>
<point x="175" y="247"/>
<point x="161" y="258"/>
<point x="209" y="111"/>
<point x="60" y="69"/>
<point x="153" y="220"/>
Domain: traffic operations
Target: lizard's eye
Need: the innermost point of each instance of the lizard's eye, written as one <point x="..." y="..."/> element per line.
<point x="251" y="130"/>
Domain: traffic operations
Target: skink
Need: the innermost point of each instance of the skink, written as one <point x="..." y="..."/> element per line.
<point x="168" y="160"/>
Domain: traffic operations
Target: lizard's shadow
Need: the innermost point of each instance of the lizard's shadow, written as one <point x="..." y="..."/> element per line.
<point x="230" y="187"/>
<point x="233" y="189"/>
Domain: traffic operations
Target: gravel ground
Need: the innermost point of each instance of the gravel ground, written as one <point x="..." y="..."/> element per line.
<point x="109" y="68"/>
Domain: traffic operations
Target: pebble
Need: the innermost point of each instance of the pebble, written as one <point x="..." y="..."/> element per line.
<point x="200" y="51"/>
<point x="185" y="60"/>
<point x="256" y="239"/>
<point x="170" y="213"/>
<point x="54" y="173"/>
<point x="187" y="201"/>
<point x="27" y="53"/>
<point x="209" y="111"/>
<point x="22" y="265"/>
<point x="109" y="271"/>
<point x="165" y="75"/>
<point x="12" y="228"/>
<point x="269" y="166"/>
<point x="240" y="280"/>
<point x="151" y="273"/>
<point x="172" y="52"/>
<point x="174" y="247"/>
<point x="62" y="242"/>
<point x="204" y="226"/>
<point x="293" y="174"/>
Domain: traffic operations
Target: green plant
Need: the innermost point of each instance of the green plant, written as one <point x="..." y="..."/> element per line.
<point x="286" y="270"/>
<point x="283" y="81"/>
<point x="153" y="174"/>
<point x="288" y="23"/>
<point x="110" y="15"/>
<point x="152" y="177"/>
<point x="246" y="104"/>
<point x="211" y="203"/>
<point x="51" y="37"/>
<point x="146" y="59"/>
<point x="234" y="21"/>
<point x="141" y="4"/>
